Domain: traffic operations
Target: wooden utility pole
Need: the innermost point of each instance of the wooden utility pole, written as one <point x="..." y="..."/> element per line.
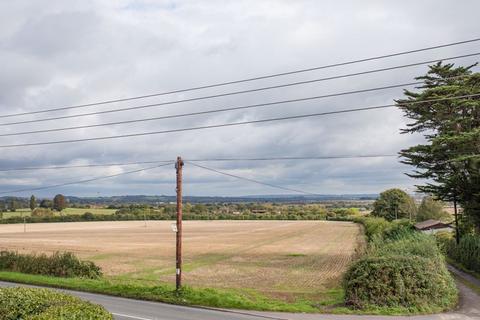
<point x="178" y="167"/>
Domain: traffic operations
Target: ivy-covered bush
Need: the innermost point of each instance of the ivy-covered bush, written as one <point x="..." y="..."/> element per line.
<point x="400" y="281"/>
<point x="43" y="304"/>
<point x="64" y="264"/>
<point x="402" y="268"/>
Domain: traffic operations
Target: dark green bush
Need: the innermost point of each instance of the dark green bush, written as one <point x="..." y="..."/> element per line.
<point x="373" y="226"/>
<point x="410" y="244"/>
<point x="402" y="268"/>
<point x="467" y="252"/>
<point x="381" y="228"/>
<point x="400" y="281"/>
<point x="444" y="240"/>
<point x="43" y="304"/>
<point x="399" y="229"/>
<point x="59" y="264"/>
<point x="88" y="216"/>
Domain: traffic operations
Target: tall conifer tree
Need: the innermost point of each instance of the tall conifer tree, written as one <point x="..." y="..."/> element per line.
<point x="450" y="156"/>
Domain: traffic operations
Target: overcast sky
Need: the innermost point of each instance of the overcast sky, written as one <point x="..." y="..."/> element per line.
<point x="62" y="53"/>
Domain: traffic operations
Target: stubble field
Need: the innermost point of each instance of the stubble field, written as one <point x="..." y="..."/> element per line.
<point x="282" y="259"/>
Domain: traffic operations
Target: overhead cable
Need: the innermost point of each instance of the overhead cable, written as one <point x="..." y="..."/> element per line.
<point x="253" y="79"/>
<point x="115" y="164"/>
<point x="302" y="116"/>
<point x="84" y="181"/>
<point x="251" y="180"/>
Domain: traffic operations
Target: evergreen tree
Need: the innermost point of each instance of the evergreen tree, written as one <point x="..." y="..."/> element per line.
<point x="450" y="158"/>
<point x="33" y="202"/>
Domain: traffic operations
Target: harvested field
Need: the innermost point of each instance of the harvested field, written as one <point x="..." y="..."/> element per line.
<point x="284" y="259"/>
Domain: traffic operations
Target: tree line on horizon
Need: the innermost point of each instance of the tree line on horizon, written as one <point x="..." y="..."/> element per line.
<point x="58" y="203"/>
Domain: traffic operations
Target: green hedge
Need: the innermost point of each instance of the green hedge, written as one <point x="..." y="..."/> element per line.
<point x="43" y="304"/>
<point x="402" y="268"/>
<point x="88" y="216"/>
<point x="59" y="264"/>
<point x="467" y="252"/>
<point x="410" y="244"/>
<point x="381" y="228"/>
<point x="411" y="282"/>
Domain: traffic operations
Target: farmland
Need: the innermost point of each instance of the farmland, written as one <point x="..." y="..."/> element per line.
<point x="282" y="259"/>
<point x="68" y="211"/>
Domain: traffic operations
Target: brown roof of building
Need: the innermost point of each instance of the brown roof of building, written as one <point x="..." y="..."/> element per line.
<point x="430" y="224"/>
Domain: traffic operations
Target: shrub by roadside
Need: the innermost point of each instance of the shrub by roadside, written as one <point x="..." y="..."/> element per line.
<point x="43" y="304"/>
<point x="411" y="282"/>
<point x="406" y="243"/>
<point x="59" y="264"/>
<point x="381" y="228"/>
<point x="466" y="253"/>
<point x="401" y="269"/>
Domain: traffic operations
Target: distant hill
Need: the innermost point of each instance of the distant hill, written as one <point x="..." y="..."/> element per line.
<point x="210" y="199"/>
<point x="146" y="199"/>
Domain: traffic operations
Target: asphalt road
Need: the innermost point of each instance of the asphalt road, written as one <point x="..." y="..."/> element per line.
<point x="129" y="309"/>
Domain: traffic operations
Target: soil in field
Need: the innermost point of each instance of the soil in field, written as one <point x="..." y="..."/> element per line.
<point x="282" y="259"/>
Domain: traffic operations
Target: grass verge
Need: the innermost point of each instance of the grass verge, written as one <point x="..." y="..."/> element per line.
<point x="232" y="299"/>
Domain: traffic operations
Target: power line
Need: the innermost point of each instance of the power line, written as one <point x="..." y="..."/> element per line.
<point x="294" y="158"/>
<point x="226" y="124"/>
<point x="84" y="181"/>
<point x="81" y="166"/>
<point x="170" y="162"/>
<point x="192" y="113"/>
<point x="251" y="180"/>
<point x="198" y="160"/>
<point x="228" y="93"/>
<point x="245" y="80"/>
<point x="210" y="111"/>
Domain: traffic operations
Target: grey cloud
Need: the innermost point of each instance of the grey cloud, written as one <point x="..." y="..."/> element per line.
<point x="60" y="53"/>
<point x="55" y="34"/>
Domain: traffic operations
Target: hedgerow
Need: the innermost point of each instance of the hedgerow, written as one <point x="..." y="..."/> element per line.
<point x="402" y="268"/>
<point x="43" y="304"/>
<point x="88" y="216"/>
<point x="381" y="228"/>
<point x="412" y="282"/>
<point x="64" y="264"/>
<point x="407" y="244"/>
<point x="467" y="252"/>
